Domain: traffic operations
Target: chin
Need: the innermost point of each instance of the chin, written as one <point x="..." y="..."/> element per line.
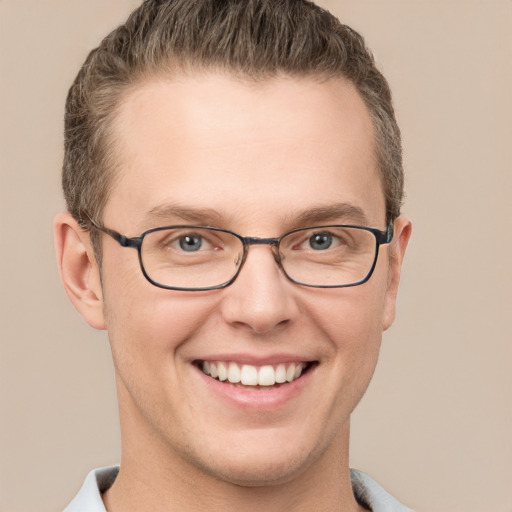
<point x="259" y="463"/>
<point x="257" y="472"/>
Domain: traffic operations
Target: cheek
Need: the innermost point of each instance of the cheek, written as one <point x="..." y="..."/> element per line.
<point x="357" y="337"/>
<point x="148" y="329"/>
<point x="147" y="325"/>
<point x="153" y="322"/>
<point x="352" y="317"/>
<point x="352" y="322"/>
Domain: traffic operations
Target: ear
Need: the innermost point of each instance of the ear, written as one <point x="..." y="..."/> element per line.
<point x="403" y="230"/>
<point x="78" y="269"/>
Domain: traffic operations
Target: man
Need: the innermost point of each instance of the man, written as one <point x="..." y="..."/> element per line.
<point x="233" y="178"/>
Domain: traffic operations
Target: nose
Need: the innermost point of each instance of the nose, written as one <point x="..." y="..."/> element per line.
<point x="261" y="299"/>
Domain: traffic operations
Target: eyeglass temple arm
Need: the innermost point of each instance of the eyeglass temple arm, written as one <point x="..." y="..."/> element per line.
<point x="121" y="239"/>
<point x="385" y="237"/>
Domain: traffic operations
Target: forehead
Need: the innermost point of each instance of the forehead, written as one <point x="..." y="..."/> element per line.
<point x="242" y="147"/>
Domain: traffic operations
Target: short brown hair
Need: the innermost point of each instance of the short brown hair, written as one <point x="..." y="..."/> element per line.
<point x="253" y="38"/>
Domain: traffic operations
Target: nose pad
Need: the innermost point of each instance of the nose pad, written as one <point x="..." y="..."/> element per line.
<point x="277" y="256"/>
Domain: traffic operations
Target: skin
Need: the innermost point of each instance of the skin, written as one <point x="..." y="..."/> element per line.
<point x="256" y="156"/>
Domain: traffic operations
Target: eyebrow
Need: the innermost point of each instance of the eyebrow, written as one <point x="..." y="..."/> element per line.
<point x="168" y="211"/>
<point x="338" y="212"/>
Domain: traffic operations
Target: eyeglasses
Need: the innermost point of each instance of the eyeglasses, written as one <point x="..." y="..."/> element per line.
<point x="198" y="258"/>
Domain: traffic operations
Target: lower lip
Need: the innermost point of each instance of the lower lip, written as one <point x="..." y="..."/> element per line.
<point x="261" y="398"/>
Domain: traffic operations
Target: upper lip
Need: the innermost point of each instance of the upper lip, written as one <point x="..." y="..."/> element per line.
<point x="257" y="360"/>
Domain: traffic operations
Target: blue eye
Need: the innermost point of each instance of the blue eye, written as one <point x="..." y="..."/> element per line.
<point x="320" y="241"/>
<point x="190" y="243"/>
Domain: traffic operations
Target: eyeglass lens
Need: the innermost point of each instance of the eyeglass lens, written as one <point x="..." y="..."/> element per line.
<point x="195" y="258"/>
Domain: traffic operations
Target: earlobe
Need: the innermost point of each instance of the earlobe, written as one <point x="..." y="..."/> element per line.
<point x="403" y="230"/>
<point x="79" y="269"/>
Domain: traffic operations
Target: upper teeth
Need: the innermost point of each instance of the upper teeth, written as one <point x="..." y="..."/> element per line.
<point x="250" y="375"/>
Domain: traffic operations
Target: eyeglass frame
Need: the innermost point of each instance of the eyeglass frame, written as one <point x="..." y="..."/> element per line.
<point x="381" y="238"/>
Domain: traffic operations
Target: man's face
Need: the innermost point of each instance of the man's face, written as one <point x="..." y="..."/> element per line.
<point x="256" y="158"/>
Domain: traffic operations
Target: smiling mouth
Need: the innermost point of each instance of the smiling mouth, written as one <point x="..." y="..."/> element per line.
<point x="255" y="376"/>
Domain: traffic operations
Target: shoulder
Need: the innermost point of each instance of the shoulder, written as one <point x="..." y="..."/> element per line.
<point x="371" y="495"/>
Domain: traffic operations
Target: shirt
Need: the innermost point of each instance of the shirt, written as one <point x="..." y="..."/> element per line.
<point x="366" y="490"/>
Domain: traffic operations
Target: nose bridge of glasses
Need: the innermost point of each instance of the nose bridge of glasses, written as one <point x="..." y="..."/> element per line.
<point x="252" y="240"/>
<point x="273" y="242"/>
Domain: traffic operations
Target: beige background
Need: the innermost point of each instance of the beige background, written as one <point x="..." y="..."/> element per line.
<point x="436" y="425"/>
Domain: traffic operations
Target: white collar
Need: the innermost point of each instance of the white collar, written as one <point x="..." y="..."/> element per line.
<point x="367" y="491"/>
